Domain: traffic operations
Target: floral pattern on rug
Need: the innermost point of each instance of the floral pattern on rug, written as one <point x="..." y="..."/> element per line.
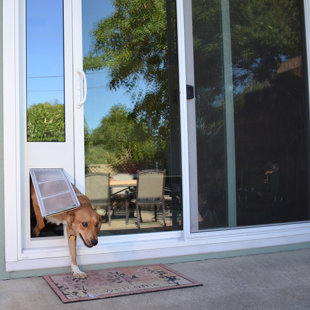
<point x="117" y="282"/>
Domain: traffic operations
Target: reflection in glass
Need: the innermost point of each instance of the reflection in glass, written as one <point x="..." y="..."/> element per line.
<point x="270" y="112"/>
<point x="210" y="114"/>
<point x="45" y="71"/>
<point x="271" y="108"/>
<point x="132" y="109"/>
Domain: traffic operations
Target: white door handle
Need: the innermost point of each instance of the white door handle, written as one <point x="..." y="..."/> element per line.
<point x="83" y="83"/>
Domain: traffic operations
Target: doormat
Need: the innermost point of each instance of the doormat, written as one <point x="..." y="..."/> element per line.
<point x="117" y="282"/>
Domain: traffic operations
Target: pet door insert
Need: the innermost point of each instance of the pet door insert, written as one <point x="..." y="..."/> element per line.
<point x="54" y="191"/>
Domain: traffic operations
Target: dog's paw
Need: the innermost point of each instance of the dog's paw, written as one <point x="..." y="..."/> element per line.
<point x="77" y="273"/>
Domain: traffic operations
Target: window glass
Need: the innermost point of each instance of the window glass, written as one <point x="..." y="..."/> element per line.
<point x="210" y="114"/>
<point x="251" y="112"/>
<point x="45" y="71"/>
<point x="271" y="111"/>
<point x="132" y="119"/>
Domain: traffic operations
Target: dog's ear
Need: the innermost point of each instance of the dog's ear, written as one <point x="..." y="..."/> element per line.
<point x="70" y="219"/>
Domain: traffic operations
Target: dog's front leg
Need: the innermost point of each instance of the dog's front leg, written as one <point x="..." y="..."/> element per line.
<point x="77" y="273"/>
<point x="35" y="204"/>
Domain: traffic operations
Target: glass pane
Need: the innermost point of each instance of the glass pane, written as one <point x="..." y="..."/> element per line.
<point x="251" y="112"/>
<point x="271" y="111"/>
<point x="45" y="71"/>
<point x="132" y="111"/>
<point x="210" y="113"/>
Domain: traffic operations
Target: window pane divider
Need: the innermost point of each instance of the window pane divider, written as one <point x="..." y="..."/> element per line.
<point x="229" y="115"/>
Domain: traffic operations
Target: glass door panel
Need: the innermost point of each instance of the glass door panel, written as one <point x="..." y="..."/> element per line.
<point x="251" y="106"/>
<point x="49" y="109"/>
<point x="271" y="111"/>
<point x="45" y="71"/>
<point x="209" y="108"/>
<point x="132" y="119"/>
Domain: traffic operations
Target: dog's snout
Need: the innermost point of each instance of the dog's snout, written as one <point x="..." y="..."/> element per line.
<point x="94" y="241"/>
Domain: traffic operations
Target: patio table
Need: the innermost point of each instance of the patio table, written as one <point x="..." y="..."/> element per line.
<point x="123" y="183"/>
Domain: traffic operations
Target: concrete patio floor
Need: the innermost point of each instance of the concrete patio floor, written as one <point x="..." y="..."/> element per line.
<point x="267" y="281"/>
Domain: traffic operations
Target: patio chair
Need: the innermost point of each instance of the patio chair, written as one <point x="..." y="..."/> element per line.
<point x="98" y="191"/>
<point x="150" y="192"/>
<point x="121" y="195"/>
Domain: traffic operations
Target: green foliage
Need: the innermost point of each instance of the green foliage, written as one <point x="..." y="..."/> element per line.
<point x="95" y="154"/>
<point x="137" y="44"/>
<point x="121" y="140"/>
<point x="263" y="32"/>
<point x="133" y="45"/>
<point x="46" y="123"/>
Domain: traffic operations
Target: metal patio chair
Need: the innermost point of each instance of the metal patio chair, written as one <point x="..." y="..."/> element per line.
<point x="98" y="191"/>
<point x="121" y="195"/>
<point x="150" y="192"/>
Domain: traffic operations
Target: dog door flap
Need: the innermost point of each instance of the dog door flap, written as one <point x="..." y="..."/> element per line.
<point x="54" y="191"/>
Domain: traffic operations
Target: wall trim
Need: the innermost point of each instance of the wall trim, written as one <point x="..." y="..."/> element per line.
<point x="112" y="250"/>
<point x="166" y="260"/>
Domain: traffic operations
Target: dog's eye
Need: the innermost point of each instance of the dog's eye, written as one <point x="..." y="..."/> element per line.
<point x="97" y="225"/>
<point x="85" y="224"/>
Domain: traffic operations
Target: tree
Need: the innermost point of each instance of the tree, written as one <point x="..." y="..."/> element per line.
<point x="121" y="141"/>
<point x="133" y="45"/>
<point x="46" y="123"/>
<point x="265" y="33"/>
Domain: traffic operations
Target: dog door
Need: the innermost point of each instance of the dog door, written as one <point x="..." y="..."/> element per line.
<point x="54" y="192"/>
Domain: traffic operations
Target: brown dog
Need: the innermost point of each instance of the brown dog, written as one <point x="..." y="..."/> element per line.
<point x="83" y="222"/>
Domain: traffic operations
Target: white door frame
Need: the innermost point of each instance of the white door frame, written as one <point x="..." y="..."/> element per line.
<point x="78" y="94"/>
<point x="54" y="253"/>
<point x="47" y="154"/>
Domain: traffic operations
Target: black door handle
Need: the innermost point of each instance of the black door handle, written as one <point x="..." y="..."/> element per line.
<point x="190" y="92"/>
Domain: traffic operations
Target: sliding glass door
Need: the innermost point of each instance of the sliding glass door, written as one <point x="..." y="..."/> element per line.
<point x="132" y="118"/>
<point x="247" y="117"/>
<point x="251" y="112"/>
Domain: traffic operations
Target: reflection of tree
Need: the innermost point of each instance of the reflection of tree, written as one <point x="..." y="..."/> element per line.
<point x="121" y="140"/>
<point x="264" y="35"/>
<point x="270" y="107"/>
<point x="132" y="44"/>
<point x="46" y="122"/>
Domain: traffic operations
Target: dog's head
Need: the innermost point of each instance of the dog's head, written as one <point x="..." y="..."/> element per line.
<point x="85" y="222"/>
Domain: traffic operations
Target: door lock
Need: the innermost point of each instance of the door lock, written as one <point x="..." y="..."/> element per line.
<point x="190" y="92"/>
